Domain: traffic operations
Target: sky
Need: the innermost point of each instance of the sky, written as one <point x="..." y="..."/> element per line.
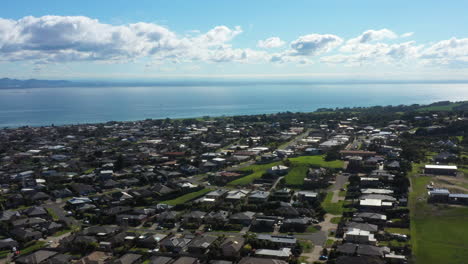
<point x="316" y="40"/>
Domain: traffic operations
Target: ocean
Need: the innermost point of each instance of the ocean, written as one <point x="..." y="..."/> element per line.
<point x="58" y="106"/>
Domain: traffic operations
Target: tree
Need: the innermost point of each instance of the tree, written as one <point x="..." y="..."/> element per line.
<point x="332" y="154"/>
<point x="119" y="164"/>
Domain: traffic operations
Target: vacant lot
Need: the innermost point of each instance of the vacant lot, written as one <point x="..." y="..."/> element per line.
<point x="257" y="171"/>
<point x="300" y="165"/>
<point x="438" y="232"/>
<point x="332" y="208"/>
<point x="186" y="197"/>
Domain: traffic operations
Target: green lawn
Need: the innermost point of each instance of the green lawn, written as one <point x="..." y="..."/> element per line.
<point x="329" y="243"/>
<point x="306" y="246"/>
<point x="311" y="229"/>
<point x="438" y="232"/>
<point x="394" y="230"/>
<point x="52" y="214"/>
<point x="37" y="245"/>
<point x="343" y="193"/>
<point x="62" y="232"/>
<point x="300" y="165"/>
<point x="394" y="243"/>
<point x="332" y="208"/>
<point x="335" y="220"/>
<point x="88" y="171"/>
<point x="187" y="197"/>
<point x="257" y="171"/>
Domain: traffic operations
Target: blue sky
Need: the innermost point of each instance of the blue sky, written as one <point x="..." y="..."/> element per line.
<point x="234" y="39"/>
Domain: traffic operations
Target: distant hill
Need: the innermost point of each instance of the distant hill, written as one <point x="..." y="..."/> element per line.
<point x="33" y="83"/>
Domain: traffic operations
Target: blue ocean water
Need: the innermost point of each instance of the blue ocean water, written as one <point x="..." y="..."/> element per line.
<point x="46" y="106"/>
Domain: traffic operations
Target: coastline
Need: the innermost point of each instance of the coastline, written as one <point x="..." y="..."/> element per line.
<point x="422" y="108"/>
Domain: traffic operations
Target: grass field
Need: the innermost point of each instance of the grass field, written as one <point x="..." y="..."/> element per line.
<point x="332" y="208"/>
<point x="448" y="107"/>
<point x="438" y="232"/>
<point x="296" y="174"/>
<point x="257" y="171"/>
<point x="186" y="197"/>
<point x="300" y="165"/>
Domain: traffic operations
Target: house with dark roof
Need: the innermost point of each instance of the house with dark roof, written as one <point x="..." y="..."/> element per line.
<point x="25" y="234"/>
<point x="82" y="189"/>
<point x="167" y="218"/>
<point x="36" y="211"/>
<point x="243" y="218"/>
<point x="258" y="197"/>
<point x="217" y="218"/>
<point x="60" y="259"/>
<point x="161" y="260"/>
<point x="150" y="240"/>
<point x="39" y="256"/>
<point x="295" y="225"/>
<point x="128" y="258"/>
<point x="358" y="260"/>
<point x="194" y="217"/>
<point x="8" y="244"/>
<point x="175" y="244"/>
<point x="186" y="260"/>
<point x="201" y="244"/>
<point x="253" y="260"/>
<point x="232" y="246"/>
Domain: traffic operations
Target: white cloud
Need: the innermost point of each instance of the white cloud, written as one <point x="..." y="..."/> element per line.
<point x="375" y="35"/>
<point x="407" y="35"/>
<point x="307" y="46"/>
<point x="273" y="42"/>
<point x="363" y="41"/>
<point x="56" y="39"/>
<point x="378" y="53"/>
<point x="314" y="44"/>
<point x="77" y="38"/>
<point x="451" y="52"/>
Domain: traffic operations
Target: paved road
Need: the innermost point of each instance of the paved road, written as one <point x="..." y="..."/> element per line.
<point x="276" y="183"/>
<point x="318" y="238"/>
<point x="340" y="182"/>
<point x="296" y="139"/>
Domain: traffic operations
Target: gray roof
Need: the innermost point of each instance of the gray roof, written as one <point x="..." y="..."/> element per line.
<point x="278" y="239"/>
<point x="161" y="260"/>
<point x="36" y="257"/>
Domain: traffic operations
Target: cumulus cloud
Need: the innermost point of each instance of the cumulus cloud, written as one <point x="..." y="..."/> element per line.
<point x="56" y="39"/>
<point x="307" y="46"/>
<point x="451" y="52"/>
<point x="273" y="42"/>
<point x="378" y="53"/>
<point x="363" y="41"/>
<point x="375" y="35"/>
<point x="78" y="38"/>
<point x="314" y="44"/>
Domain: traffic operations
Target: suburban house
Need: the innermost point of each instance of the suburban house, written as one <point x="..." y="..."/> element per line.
<point x="231" y="246"/>
<point x="450" y="170"/>
<point x="359" y="236"/>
